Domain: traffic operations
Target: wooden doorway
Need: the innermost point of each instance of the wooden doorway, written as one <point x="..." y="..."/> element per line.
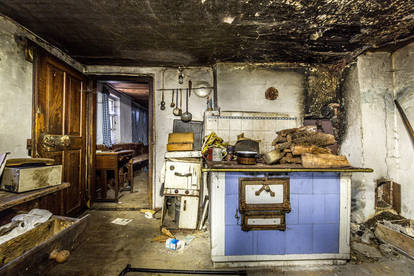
<point x="126" y="84"/>
<point x="59" y="128"/>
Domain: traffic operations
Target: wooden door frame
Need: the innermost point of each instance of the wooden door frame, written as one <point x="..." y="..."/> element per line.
<point x="92" y="123"/>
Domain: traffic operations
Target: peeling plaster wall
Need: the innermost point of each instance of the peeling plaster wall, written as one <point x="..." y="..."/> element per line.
<point x="376" y="137"/>
<point x="15" y="92"/>
<point x="163" y="120"/>
<point x="241" y="87"/>
<point x="16" y="82"/>
<point x="403" y="61"/>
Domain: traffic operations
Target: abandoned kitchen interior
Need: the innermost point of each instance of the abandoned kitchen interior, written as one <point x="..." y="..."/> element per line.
<point x="238" y="137"/>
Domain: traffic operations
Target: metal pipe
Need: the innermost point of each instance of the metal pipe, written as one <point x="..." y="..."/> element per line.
<point x="363" y="170"/>
<point x="128" y="268"/>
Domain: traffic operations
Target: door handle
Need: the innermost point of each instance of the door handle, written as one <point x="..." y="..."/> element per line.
<point x="183" y="174"/>
<point x="185" y="205"/>
<point x="52" y="142"/>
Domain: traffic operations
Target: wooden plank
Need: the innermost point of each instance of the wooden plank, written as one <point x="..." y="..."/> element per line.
<point x="179" y="147"/>
<point x="24" y="161"/>
<point x="324" y="161"/>
<point x="8" y="199"/>
<point x="178" y="138"/>
<point x="397" y="239"/>
<point x="36" y="260"/>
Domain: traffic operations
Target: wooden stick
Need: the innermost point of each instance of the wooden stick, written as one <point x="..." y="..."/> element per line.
<point x="405" y="120"/>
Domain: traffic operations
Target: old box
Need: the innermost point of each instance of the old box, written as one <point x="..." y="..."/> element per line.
<point x="22" y="179"/>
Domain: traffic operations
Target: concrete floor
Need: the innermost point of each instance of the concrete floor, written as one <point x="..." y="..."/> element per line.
<point x="109" y="248"/>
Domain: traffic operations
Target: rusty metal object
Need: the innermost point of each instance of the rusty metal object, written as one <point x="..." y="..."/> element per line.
<point x="271" y="93"/>
<point x="52" y="142"/>
<point x="388" y="195"/>
<point x="245" y="207"/>
<point x="246" y="160"/>
<point x="265" y="188"/>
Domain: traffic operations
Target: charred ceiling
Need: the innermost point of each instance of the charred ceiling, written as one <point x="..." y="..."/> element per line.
<point x="201" y="32"/>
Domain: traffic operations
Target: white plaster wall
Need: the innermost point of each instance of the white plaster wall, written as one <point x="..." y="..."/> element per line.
<point x="16" y="78"/>
<point x="15" y="92"/>
<point x="403" y="61"/>
<point x="241" y="87"/>
<point x="163" y="120"/>
<point x="375" y="135"/>
<point x="352" y="144"/>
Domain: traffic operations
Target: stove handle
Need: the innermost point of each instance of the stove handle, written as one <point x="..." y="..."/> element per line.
<point x="183" y="174"/>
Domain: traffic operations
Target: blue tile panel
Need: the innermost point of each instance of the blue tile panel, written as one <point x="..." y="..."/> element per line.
<point x="312" y="226"/>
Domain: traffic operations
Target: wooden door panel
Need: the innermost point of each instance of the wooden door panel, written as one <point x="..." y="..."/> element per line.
<point x="60" y="104"/>
<point x="54" y="99"/>
<point x="73" y="174"/>
<point x="74" y="100"/>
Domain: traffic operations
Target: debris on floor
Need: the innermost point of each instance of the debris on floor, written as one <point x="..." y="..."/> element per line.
<point x="121" y="221"/>
<point x="381" y="235"/>
<point x="174" y="244"/>
<point x="149" y="213"/>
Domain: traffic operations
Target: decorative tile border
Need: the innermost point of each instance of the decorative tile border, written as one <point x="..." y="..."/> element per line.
<point x="252" y="117"/>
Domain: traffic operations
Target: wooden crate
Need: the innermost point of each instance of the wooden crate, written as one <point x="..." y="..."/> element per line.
<point x="28" y="254"/>
<point x="22" y="179"/>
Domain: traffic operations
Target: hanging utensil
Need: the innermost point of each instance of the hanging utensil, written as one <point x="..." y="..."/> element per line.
<point x="172" y="99"/>
<point x="176" y="110"/>
<point x="186" y="116"/>
<point x="181" y="100"/>
<point x="190" y="83"/>
<point x="162" y="101"/>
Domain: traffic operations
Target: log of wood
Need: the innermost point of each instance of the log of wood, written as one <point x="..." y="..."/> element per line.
<point x="285" y="132"/>
<point x="283" y="146"/>
<point x="324" y="161"/>
<point x="316" y="139"/>
<point x="290" y="160"/>
<point x="279" y="139"/>
<point x="403" y="242"/>
<point x="300" y="149"/>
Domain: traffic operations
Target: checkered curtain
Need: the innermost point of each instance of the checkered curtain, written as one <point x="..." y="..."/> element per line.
<point x="106" y="125"/>
<point x="139" y="125"/>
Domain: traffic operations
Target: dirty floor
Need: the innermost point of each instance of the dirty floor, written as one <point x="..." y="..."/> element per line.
<point x="109" y="247"/>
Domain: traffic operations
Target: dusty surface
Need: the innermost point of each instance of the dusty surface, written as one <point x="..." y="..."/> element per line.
<point x="129" y="201"/>
<point x="109" y="247"/>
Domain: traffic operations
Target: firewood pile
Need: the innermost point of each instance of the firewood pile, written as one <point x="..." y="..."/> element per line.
<point x="308" y="147"/>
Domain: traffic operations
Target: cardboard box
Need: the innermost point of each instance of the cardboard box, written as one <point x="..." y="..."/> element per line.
<point x="22" y="179"/>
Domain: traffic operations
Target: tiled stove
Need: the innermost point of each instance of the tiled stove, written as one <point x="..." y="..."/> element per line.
<point x="317" y="226"/>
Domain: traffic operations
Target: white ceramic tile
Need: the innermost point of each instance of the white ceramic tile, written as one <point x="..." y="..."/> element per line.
<point x="224" y="124"/>
<point x="236" y="124"/>
<point x="247" y="125"/>
<point x="211" y="123"/>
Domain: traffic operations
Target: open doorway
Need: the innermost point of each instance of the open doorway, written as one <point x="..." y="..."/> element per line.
<point x="123" y="148"/>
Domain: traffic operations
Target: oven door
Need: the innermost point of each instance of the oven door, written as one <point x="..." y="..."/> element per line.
<point x="263" y="221"/>
<point x="264" y="194"/>
<point x="182" y="176"/>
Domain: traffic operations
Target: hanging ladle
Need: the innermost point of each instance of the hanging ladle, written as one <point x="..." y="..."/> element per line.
<point x="162" y="101"/>
<point x="172" y="100"/>
<point x="186" y="116"/>
<point x="176" y="110"/>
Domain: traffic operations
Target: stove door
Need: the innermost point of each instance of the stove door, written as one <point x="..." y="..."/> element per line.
<point x="182" y="175"/>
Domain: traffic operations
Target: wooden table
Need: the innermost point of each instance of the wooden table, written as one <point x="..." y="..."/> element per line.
<point x="113" y="161"/>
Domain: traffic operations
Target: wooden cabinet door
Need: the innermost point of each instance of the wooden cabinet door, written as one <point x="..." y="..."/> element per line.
<point x="60" y="114"/>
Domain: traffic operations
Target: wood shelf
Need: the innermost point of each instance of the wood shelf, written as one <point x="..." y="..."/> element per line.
<point x="8" y="199"/>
